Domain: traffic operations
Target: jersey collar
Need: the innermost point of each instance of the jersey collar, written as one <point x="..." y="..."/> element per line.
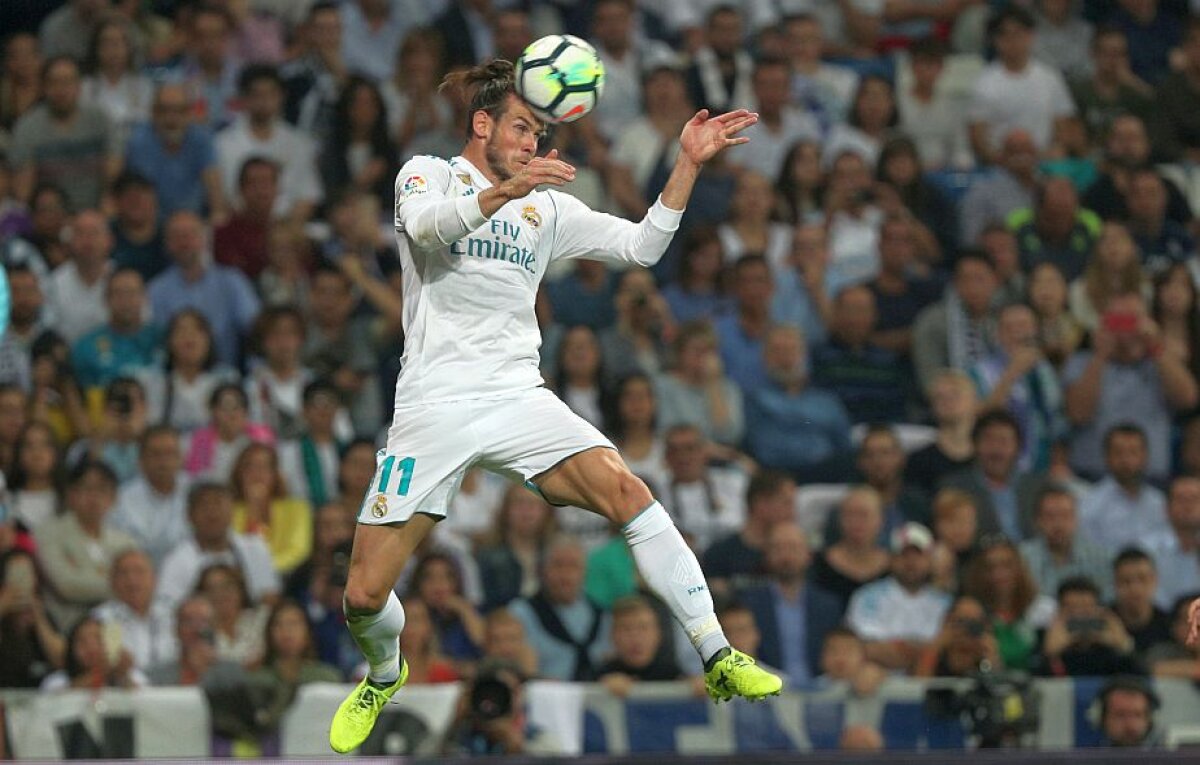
<point x="478" y="180"/>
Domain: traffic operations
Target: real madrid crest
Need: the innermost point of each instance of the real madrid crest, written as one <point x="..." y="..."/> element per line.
<point x="379" y="508"/>
<point x="530" y="215"/>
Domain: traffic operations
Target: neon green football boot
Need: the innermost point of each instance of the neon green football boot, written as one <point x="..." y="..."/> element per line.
<point x="738" y="675"/>
<point x="357" y="715"/>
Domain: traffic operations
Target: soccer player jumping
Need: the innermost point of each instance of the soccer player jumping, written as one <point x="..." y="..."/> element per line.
<point x="475" y="237"/>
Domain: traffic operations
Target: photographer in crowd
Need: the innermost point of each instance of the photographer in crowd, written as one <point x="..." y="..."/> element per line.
<point x="492" y="719"/>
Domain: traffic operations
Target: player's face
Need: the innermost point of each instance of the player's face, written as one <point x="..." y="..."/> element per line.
<point x="512" y="139"/>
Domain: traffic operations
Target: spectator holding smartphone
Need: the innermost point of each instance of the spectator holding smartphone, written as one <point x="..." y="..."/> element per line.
<point x="964" y="646"/>
<point x="1085" y="638"/>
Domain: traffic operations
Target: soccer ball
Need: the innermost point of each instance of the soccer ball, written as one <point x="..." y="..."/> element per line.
<point x="560" y="77"/>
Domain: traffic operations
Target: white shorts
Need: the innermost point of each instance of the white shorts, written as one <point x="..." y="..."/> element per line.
<point x="431" y="447"/>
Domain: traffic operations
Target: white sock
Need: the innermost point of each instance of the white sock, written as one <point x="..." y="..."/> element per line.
<point x="670" y="568"/>
<point x="378" y="637"/>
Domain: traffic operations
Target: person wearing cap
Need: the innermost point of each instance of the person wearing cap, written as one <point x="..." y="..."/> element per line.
<point x="900" y="615"/>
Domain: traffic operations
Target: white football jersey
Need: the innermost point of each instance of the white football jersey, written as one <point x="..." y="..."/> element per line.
<point x="469" y="282"/>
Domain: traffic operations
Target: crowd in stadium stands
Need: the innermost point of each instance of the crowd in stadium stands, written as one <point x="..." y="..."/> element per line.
<point x="918" y="378"/>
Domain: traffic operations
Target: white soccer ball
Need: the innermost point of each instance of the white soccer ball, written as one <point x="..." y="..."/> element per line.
<point x="560" y="77"/>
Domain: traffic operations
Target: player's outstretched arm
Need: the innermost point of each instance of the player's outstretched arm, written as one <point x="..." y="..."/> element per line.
<point x="548" y="170"/>
<point x="703" y="137"/>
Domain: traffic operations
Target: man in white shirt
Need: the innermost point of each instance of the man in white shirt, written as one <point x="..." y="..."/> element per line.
<point x="625" y="57"/>
<point x="1015" y="91"/>
<point x="77" y="287"/>
<point x="780" y="124"/>
<point x="146" y="625"/>
<point x="261" y="131"/>
<point x="152" y="508"/>
<point x="706" y="502"/>
<point x="900" y="615"/>
<point x="1122" y="510"/>
<point x="213" y="540"/>
<point x="824" y="89"/>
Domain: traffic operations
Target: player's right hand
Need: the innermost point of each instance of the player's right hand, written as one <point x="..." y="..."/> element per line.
<point x="539" y="171"/>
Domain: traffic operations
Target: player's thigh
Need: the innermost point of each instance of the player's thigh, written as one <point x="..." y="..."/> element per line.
<point x="379" y="555"/>
<point x="536" y="438"/>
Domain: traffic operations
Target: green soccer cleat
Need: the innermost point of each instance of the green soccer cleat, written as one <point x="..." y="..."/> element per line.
<point x="357" y="715"/>
<point x="738" y="675"/>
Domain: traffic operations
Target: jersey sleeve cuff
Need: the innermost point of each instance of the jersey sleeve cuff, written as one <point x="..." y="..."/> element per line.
<point x="469" y="212"/>
<point x="664" y="218"/>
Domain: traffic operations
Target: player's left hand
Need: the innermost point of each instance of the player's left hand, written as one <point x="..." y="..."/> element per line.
<point x="703" y="137"/>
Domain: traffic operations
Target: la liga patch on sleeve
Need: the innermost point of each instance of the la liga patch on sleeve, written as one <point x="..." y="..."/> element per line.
<point x="413" y="185"/>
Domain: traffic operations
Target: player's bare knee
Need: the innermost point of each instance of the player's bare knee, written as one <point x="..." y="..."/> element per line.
<point x="630" y="498"/>
<point x="359" y="600"/>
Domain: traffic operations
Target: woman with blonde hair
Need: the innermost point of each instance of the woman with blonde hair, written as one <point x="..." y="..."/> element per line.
<point x="1115" y="268"/>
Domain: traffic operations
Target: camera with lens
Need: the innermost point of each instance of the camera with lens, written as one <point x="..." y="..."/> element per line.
<point x="999" y="710"/>
<point x="491" y="698"/>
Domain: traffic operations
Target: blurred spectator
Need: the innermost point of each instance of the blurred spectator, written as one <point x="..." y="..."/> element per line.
<point x="881" y="461"/>
<point x="113" y="83"/>
<point x="959" y="331"/>
<point x="584" y="296"/>
<point x="1136" y="580"/>
<point x="197" y="662"/>
<point x="999" y="244"/>
<point x="258" y="32"/>
<point x="853" y="219"/>
<point x="1127" y="149"/>
<point x="1122" y="509"/>
<point x="742" y="330"/>
<point x="1007" y="188"/>
<point x="56" y="398"/>
<point x="276" y="387"/>
<point x="1154" y="29"/>
<point x="77" y="288"/>
<point x="799" y="187"/>
<point x="152" y="506"/>
<point x="1114" y="269"/>
<point x="965" y="645"/>
<point x="1055" y="228"/>
<point x="127" y="344"/>
<point x="1016" y="91"/>
<point x="1176" y="310"/>
<point x="824" y="89"/>
<point x="900" y="293"/>
<point x="241" y="241"/>
<point x="32" y="646"/>
<point x="1109" y="89"/>
<point x="933" y="216"/>
<point x="1175" y="553"/>
<point x="14" y="415"/>
<point x="238" y="621"/>
<point x="1058" y="334"/>
<point x="1086" y="639"/>
<point x="21" y="79"/>
<point x="36" y="483"/>
<point x="770" y="499"/>
<point x="956" y="529"/>
<point x="580" y="379"/>
<point x="569" y="633"/>
<point x="137" y="237"/>
<point x="491" y="717"/>
<point x="1018" y="378"/>
<point x="782" y="121"/>
<point x="1057" y="551"/>
<point x="45" y="246"/>
<point x="1127" y="709"/>
<point x="179" y="395"/>
<point x="510" y="555"/>
<point x="1161" y="241"/>
<point x="261" y="131"/>
<point x="695" y="293"/>
<point x="64" y="142"/>
<point x="1175" y="125"/>
<point x="339" y="347"/>
<point x="793" y="612"/>
<point x="792" y="425"/>
<point x="1001" y="581"/>
<point x="177" y="156"/>
<point x="930" y="115"/>
<point x="1004" y="493"/>
<point x="213" y="541"/>
<point x="872" y="117"/>
<point x="869" y="380"/>
<point x="146" y="627"/>
<point x="116" y="438"/>
<point x="27" y="306"/>
<point x="262" y="506"/>
<point x="737" y="621"/>
<point x="1062" y="38"/>
<point x="313" y="80"/>
<point x="312" y="580"/>
<point x="426" y="664"/>
<point x="800" y="296"/>
<point x="373" y="29"/>
<point x="636" y="639"/>
<point x="898" y="616"/>
<point x="1176" y="657"/>
<point x="638" y="341"/>
<point x="68" y="30"/>
<point x="355" y="472"/>
<point x="418" y="114"/>
<point x="749" y="231"/>
<point x="720" y="77"/>
<point x="437" y="581"/>
<point x="208" y="68"/>
<point x="359" y="152"/>
<point x="625" y="54"/>
<point x="861" y="738"/>
<point x="309" y="464"/>
<point x="76" y="550"/>
<point x="844" y="664"/>
<point x="91" y="663"/>
<point x="290" y="661"/>
<point x="954" y="401"/>
<point x="223" y="295"/>
<point x="696" y="390"/>
<point x="505" y="640"/>
<point x="857" y="558"/>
